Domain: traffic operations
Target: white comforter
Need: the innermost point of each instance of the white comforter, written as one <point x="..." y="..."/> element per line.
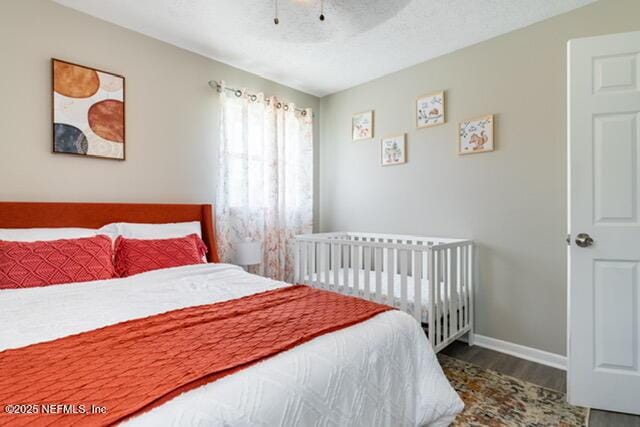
<point x="378" y="372"/>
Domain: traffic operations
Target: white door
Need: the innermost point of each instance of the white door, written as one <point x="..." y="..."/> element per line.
<point x="604" y="193"/>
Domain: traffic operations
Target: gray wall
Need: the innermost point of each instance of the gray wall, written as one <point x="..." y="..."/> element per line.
<point x="511" y="201"/>
<point x="171" y="113"/>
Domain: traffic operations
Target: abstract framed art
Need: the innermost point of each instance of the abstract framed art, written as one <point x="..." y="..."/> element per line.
<point x="88" y="111"/>
<point x="430" y="110"/>
<point x="476" y="135"/>
<point x="393" y="150"/>
<point x="362" y="126"/>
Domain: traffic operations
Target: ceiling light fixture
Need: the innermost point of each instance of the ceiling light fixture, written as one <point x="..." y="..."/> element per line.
<point x="276" y="20"/>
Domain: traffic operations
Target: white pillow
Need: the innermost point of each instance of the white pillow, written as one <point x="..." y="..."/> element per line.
<point x="151" y="231"/>
<point x="44" y="234"/>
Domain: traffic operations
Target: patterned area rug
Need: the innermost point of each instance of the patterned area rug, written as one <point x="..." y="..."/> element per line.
<point x="494" y="399"/>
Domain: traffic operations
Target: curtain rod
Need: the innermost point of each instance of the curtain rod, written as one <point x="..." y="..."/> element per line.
<point x="217" y="86"/>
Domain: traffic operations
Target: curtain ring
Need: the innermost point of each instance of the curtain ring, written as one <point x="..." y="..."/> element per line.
<point x="253" y="98"/>
<point x="286" y="107"/>
<point x="238" y="93"/>
<point x="279" y="105"/>
<point x="304" y="113"/>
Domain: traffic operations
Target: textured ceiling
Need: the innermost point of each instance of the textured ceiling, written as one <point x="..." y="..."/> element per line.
<point x="360" y="39"/>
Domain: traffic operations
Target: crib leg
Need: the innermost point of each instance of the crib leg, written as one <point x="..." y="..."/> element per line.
<point x="471" y="337"/>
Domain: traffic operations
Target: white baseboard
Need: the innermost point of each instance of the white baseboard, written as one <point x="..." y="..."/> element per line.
<point x="523" y="352"/>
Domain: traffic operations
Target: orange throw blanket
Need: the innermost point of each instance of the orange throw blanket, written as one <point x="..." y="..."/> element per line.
<point x="103" y="376"/>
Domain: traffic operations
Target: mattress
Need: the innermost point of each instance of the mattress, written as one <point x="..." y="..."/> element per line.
<point x="387" y="298"/>
<point x="378" y="372"/>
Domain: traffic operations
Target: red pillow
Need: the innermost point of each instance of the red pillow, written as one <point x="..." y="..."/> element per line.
<point x="134" y="256"/>
<point x="31" y="264"/>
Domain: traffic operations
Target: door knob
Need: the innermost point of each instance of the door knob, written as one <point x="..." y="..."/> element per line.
<point x="584" y="240"/>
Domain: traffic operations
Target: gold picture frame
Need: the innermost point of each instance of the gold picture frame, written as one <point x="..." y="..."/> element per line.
<point x="393" y="150"/>
<point x="430" y="110"/>
<point x="476" y="135"/>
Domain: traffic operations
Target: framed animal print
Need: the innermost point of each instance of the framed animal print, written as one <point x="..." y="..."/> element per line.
<point x="430" y="110"/>
<point x="393" y="150"/>
<point x="88" y="111"/>
<point x="476" y="135"/>
<point x="362" y="126"/>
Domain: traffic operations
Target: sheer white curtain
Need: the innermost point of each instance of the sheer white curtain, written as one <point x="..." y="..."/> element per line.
<point x="265" y="182"/>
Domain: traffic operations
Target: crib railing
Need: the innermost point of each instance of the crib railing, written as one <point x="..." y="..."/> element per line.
<point x="430" y="278"/>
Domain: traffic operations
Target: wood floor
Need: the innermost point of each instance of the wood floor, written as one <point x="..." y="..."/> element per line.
<point x="535" y="373"/>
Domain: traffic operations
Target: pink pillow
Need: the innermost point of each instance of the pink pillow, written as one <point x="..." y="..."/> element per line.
<point x="134" y="256"/>
<point x="31" y="264"/>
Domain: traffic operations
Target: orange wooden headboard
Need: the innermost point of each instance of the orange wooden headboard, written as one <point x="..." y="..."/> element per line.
<point x="95" y="215"/>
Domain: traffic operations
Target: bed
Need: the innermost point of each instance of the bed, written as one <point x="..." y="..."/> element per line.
<point x="381" y="371"/>
<point x="398" y="270"/>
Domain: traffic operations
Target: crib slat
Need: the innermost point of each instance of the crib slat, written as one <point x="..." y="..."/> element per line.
<point x="442" y="293"/>
<point x="326" y="261"/>
<point x="345" y="269"/>
<point x="313" y="257"/>
<point x="404" y="266"/>
<point x="384" y="254"/>
<point x="296" y="262"/>
<point x="303" y="263"/>
<point x="396" y="260"/>
<point x="355" y="268"/>
<point x="465" y="312"/>
<point x="390" y="275"/>
<point x="312" y="263"/>
<point x="471" y="283"/>
<point x="446" y="303"/>
<point x="431" y="274"/>
<point x="417" y="283"/>
<point x="438" y="296"/>
<point x="335" y="257"/>
<point x="467" y="289"/>
<point x="378" y="262"/>
<point x="456" y="287"/>
<point x="367" y="271"/>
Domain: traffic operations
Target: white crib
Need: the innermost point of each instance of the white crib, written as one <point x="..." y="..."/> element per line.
<point x="397" y="270"/>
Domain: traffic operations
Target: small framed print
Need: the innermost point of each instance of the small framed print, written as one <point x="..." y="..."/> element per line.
<point x="476" y="135"/>
<point x="362" y="125"/>
<point x="430" y="110"/>
<point x="393" y="150"/>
